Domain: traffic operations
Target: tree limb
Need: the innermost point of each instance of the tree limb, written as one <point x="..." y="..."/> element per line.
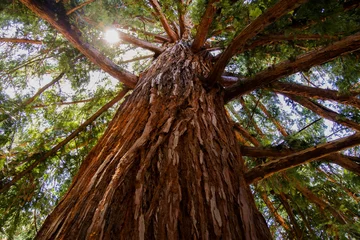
<point x="324" y="112"/>
<point x="310" y="154"/>
<point x="94" y="55"/>
<point x="79" y="6"/>
<point x="203" y="27"/>
<point x="164" y="22"/>
<point x="33" y="98"/>
<point x="271" y="118"/>
<point x="181" y="13"/>
<point x="305" y="61"/>
<point x="20" y="40"/>
<point x="140" y="43"/>
<point x="348" y="162"/>
<point x="316" y="93"/>
<point x="53" y="151"/>
<point x="238" y="43"/>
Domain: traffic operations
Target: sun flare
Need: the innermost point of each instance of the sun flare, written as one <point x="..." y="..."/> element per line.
<point x="111" y="36"/>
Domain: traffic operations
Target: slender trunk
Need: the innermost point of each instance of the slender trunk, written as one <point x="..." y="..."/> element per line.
<point x="168" y="166"/>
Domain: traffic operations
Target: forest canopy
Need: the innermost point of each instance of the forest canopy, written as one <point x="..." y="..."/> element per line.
<point x="288" y="70"/>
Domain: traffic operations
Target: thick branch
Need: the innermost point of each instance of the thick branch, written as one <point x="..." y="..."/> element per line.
<point x="316" y="93"/>
<point x="347" y="162"/>
<point x="238" y="43"/>
<point x="164" y="22"/>
<point x="53" y="151"/>
<point x="79" y="6"/>
<point x="20" y="40"/>
<point x="305" y="61"/>
<point x="268" y="169"/>
<point x="203" y="27"/>
<point x="63" y="26"/>
<point x="324" y="112"/>
<point x="140" y="43"/>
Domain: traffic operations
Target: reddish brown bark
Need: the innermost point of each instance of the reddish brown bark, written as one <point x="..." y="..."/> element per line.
<point x="64" y="27"/>
<point x="168" y="166"/>
<point x="286" y="68"/>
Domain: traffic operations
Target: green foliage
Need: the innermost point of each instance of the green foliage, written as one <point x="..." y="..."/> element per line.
<point x="28" y="131"/>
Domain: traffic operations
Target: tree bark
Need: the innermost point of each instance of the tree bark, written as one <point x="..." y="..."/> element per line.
<point x="168" y="166"/>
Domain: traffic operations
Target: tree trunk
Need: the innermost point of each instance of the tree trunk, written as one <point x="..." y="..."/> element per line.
<point x="167" y="167"/>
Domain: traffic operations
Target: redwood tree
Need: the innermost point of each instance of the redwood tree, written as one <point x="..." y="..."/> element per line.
<point x="234" y="120"/>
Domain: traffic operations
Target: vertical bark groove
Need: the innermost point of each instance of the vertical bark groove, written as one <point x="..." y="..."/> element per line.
<point x="168" y="166"/>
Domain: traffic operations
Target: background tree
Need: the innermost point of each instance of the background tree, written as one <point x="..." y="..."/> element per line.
<point x="287" y="70"/>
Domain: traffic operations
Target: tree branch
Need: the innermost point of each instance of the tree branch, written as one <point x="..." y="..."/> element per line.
<point x="33" y="98"/>
<point x="251" y="118"/>
<point x="181" y="13"/>
<point x="268" y="169"/>
<point x="296" y="228"/>
<point x="321" y="203"/>
<point x="305" y="61"/>
<point x="247" y="135"/>
<point x="140" y="43"/>
<point x="347" y="162"/>
<point x="41" y="90"/>
<point x="274" y="212"/>
<point x="94" y="55"/>
<point x="238" y="43"/>
<point x="164" y="22"/>
<point x="316" y="93"/>
<point x="271" y="118"/>
<point x="79" y="6"/>
<point x="42" y="158"/>
<point x="324" y="112"/>
<point x="203" y="27"/>
<point x="20" y="40"/>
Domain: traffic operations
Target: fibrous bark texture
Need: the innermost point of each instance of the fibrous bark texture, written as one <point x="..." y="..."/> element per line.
<point x="168" y="166"/>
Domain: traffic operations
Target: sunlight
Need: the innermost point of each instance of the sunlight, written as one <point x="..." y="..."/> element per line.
<point x="111" y="36"/>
